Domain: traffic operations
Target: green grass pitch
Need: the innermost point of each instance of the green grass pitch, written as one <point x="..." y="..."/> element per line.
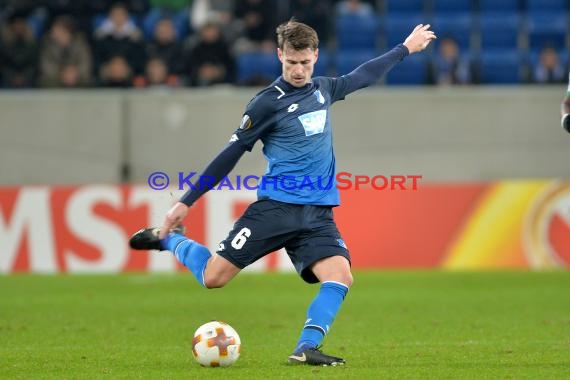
<point x="393" y="325"/>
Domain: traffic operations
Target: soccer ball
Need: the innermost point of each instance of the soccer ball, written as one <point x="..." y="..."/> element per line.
<point x="216" y="344"/>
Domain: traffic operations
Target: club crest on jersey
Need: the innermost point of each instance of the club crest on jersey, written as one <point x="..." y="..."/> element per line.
<point x="246" y="122"/>
<point x="293" y="107"/>
<point x="320" y="97"/>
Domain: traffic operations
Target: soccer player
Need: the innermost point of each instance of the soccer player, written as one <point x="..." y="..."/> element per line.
<point x="565" y="108"/>
<point x="297" y="193"/>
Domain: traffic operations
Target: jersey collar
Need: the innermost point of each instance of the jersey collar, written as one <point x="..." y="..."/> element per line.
<point x="287" y="87"/>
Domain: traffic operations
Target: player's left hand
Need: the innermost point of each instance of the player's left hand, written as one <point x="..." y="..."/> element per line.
<point x="419" y="39"/>
<point x="174" y="217"/>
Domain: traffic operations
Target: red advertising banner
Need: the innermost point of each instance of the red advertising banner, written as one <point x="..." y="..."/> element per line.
<point x="85" y="229"/>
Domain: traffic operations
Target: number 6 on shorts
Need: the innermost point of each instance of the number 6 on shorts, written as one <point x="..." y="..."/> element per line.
<point x="240" y="238"/>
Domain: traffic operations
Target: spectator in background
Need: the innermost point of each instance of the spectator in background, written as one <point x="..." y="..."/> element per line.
<point x="448" y="67"/>
<point x="316" y="13"/>
<point x="257" y="25"/>
<point x="354" y="7"/>
<point x="165" y="45"/>
<point x="208" y="59"/>
<point x="116" y="72"/>
<point x="18" y="53"/>
<point x="548" y="69"/>
<point x="221" y="11"/>
<point x="119" y="35"/>
<point x="118" y="24"/>
<point x="83" y="11"/>
<point x="65" y="56"/>
<point x="70" y="77"/>
<point x="157" y="75"/>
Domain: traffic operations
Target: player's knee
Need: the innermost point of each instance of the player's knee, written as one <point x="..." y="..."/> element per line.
<point x="344" y="278"/>
<point x="213" y="282"/>
<point x="347" y="279"/>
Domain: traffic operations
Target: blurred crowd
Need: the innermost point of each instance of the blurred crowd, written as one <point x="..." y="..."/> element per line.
<point x="184" y="43"/>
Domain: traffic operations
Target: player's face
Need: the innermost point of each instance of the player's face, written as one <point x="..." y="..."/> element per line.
<point x="297" y="65"/>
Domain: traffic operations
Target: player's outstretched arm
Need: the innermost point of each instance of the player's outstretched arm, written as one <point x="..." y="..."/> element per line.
<point x="371" y="71"/>
<point x="220" y="167"/>
<point x="565" y="109"/>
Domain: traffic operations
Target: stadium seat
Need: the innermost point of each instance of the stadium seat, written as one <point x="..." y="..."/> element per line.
<point x="399" y="25"/>
<point x="413" y="70"/>
<point x="499" y="30"/>
<point x="37" y="24"/>
<point x="458" y="26"/>
<point x="149" y="22"/>
<point x="180" y="21"/>
<point x="547" y="28"/>
<point x="413" y="6"/>
<point x="324" y="64"/>
<point x="346" y="61"/>
<point x="98" y="20"/>
<point x="356" y="32"/>
<point x="547" y="5"/>
<point x="501" y="67"/>
<point x="257" y="66"/>
<point x="499" y="6"/>
<point x="446" y="6"/>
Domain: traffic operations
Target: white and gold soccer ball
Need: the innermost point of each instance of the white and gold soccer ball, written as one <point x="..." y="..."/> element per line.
<point x="216" y="344"/>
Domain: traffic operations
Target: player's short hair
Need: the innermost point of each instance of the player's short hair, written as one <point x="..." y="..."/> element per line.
<point x="297" y="35"/>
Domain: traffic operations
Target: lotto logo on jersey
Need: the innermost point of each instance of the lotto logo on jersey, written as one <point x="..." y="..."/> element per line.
<point x="314" y="122"/>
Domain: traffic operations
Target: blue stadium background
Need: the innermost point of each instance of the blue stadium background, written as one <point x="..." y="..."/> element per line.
<point x="502" y="39"/>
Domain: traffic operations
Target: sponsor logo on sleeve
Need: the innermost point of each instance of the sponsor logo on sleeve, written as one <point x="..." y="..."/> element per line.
<point x="246" y="123"/>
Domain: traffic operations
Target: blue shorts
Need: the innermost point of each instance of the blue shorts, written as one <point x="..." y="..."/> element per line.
<point x="308" y="233"/>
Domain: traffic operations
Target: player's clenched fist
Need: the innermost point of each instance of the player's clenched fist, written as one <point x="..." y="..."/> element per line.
<point x="419" y="39"/>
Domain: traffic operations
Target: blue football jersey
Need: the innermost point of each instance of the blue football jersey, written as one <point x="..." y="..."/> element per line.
<point x="294" y="126"/>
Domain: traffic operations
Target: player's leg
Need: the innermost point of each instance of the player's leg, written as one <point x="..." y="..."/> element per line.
<point x="211" y="270"/>
<point x="335" y="278"/>
<point x="321" y="256"/>
<point x="264" y="227"/>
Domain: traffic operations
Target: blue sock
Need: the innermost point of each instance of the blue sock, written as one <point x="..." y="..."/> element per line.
<point x="192" y="255"/>
<point x="321" y="314"/>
